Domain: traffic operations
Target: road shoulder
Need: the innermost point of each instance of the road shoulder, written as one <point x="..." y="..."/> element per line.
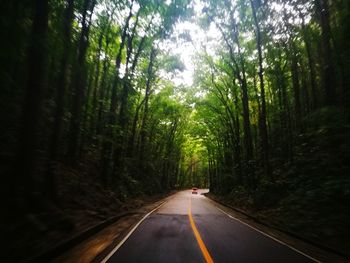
<point x="291" y="241"/>
<point x="99" y="245"/>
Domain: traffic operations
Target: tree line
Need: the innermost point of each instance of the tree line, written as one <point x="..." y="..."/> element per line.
<point x="81" y="87"/>
<point x="277" y="64"/>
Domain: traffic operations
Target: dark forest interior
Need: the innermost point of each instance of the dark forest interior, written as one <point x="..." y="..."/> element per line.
<point x="93" y="123"/>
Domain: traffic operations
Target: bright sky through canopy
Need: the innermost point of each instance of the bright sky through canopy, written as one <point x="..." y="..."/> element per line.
<point x="196" y="40"/>
<point x="189" y="38"/>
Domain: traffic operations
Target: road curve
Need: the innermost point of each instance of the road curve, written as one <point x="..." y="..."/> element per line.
<point x="190" y="228"/>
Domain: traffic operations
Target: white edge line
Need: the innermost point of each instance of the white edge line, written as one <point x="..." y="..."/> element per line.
<point x="265" y="234"/>
<point x="129" y="234"/>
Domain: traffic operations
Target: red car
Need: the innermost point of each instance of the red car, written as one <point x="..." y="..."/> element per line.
<point x="194" y="190"/>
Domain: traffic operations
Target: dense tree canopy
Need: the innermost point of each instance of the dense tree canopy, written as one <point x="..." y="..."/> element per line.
<point x="272" y="107"/>
<point x="90" y="71"/>
<point x="88" y="85"/>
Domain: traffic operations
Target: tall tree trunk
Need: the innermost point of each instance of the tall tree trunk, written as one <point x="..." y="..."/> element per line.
<point x="143" y="130"/>
<point x="263" y="130"/>
<point x="238" y="71"/>
<point x="102" y="92"/>
<point x="80" y="83"/>
<point x="329" y="82"/>
<point x="131" y="141"/>
<point x="296" y="90"/>
<point x="86" y="116"/>
<point x="61" y="90"/>
<point x="25" y="181"/>
<point x="305" y="97"/>
<point x="116" y="82"/>
<point x="93" y="124"/>
<point x="238" y="142"/>
<point x="102" y="97"/>
<point x="311" y="63"/>
<point x="123" y="114"/>
<point x="246" y="120"/>
<point x="108" y="162"/>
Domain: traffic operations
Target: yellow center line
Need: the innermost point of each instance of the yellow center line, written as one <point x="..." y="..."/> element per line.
<point x="201" y="244"/>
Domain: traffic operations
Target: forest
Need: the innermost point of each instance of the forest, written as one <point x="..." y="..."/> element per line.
<point x="92" y="119"/>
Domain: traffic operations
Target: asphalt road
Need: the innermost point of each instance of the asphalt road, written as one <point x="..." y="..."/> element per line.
<point x="190" y="228"/>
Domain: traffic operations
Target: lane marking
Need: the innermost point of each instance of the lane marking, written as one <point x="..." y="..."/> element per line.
<point x="129" y="234"/>
<point x="201" y="244"/>
<point x="265" y="234"/>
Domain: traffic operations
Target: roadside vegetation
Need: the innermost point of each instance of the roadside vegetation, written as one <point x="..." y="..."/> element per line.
<point x="92" y="123"/>
<point x="275" y="117"/>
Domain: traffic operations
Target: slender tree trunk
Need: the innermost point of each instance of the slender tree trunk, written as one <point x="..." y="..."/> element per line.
<point x="108" y="162"/>
<point x="296" y="90"/>
<point x="239" y="72"/>
<point x="246" y="121"/>
<point x="116" y="82"/>
<point x="80" y="83"/>
<point x="311" y="64"/>
<point x="103" y="90"/>
<point x="131" y="142"/>
<point x="25" y="181"/>
<point x="86" y="117"/>
<point x="238" y="143"/>
<point x="102" y="97"/>
<point x="93" y="121"/>
<point x="123" y="114"/>
<point x="328" y="67"/>
<point x="241" y="76"/>
<point x="61" y="91"/>
<point x="143" y="130"/>
<point x="263" y="131"/>
<point x="305" y="90"/>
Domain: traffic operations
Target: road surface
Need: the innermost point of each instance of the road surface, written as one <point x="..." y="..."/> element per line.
<point x="191" y="228"/>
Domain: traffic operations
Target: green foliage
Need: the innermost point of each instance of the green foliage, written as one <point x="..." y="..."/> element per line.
<point x="308" y="143"/>
<point x="105" y="100"/>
